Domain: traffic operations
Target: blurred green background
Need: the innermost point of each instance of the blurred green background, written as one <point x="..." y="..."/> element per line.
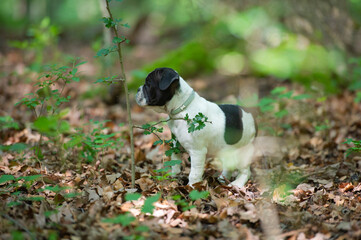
<point x="314" y="43"/>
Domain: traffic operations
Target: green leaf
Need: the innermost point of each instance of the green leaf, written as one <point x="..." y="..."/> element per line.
<point x="169" y="152"/>
<point x="14" y="203"/>
<point x="75" y="141"/>
<point x="16" y="147"/>
<point x="281" y="113"/>
<point x="195" y="195"/>
<point x="71" y="195"/>
<point x="158" y="142"/>
<point x="101" y="80"/>
<point x="123" y="219"/>
<point x="358" y="97"/>
<point x="17" y="235"/>
<point x="301" y="96"/>
<point x="81" y="63"/>
<point x="32" y="198"/>
<point x="118" y="40"/>
<point x="126" y="25"/>
<point x="142" y="228"/>
<point x="132" y="196"/>
<point x="30" y="178"/>
<point x="172" y="163"/>
<point x="49" y="213"/>
<point x="287" y="95"/>
<point x="148" y="204"/>
<point x="108" y="22"/>
<point x="105" y="51"/>
<point x="46" y="125"/>
<point x="56" y="188"/>
<point x="6" y="178"/>
<point x="51" y="125"/>
<point x="278" y="90"/>
<point x="348" y="141"/>
<point x="146" y="126"/>
<point x="8" y="122"/>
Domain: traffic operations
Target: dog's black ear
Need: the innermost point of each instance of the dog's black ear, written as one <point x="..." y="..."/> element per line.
<point x="168" y="77"/>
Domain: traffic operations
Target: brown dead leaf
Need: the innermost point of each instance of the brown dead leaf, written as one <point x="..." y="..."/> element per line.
<point x="344" y="187"/>
<point x="118" y="185"/>
<point x="92" y="195"/>
<point x="251" y="214"/>
<point x="145" y="183"/>
<point x="108" y="193"/>
<point x="220" y="202"/>
<point x="139" y="155"/>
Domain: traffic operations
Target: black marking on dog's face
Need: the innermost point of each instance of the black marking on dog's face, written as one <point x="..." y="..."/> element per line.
<point x="160" y="86"/>
<point x="234" y="126"/>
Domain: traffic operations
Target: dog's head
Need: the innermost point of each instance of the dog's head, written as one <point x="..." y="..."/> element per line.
<point x="159" y="87"/>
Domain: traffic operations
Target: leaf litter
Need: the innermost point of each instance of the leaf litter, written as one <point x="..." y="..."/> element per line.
<point x="303" y="186"/>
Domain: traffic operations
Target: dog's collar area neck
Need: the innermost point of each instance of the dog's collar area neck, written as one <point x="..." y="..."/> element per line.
<point x="184" y="105"/>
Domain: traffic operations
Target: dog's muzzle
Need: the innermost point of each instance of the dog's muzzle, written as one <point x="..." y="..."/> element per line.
<point x="139" y="97"/>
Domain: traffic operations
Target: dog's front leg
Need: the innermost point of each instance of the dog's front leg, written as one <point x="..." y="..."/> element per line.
<point x="197" y="165"/>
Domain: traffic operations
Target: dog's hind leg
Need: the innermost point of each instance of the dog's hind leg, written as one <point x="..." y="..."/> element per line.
<point x="242" y="177"/>
<point x="244" y="172"/>
<point x="226" y="174"/>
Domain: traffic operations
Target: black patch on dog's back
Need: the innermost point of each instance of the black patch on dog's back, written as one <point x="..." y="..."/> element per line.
<point x="234" y="127"/>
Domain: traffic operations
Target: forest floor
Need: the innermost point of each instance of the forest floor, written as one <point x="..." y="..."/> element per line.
<point x="302" y="186"/>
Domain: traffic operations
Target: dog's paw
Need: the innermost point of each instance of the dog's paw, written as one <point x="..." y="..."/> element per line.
<point x="236" y="184"/>
<point x="222" y="179"/>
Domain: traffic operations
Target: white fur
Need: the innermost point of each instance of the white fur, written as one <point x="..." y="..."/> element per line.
<point x="210" y="140"/>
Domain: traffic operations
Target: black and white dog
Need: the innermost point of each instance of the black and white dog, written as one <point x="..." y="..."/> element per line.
<point x="228" y="137"/>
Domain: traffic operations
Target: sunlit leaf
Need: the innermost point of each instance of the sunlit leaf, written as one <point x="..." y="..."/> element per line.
<point x="132" y="196"/>
<point x="195" y="195"/>
<point x="172" y="162"/>
<point x="123" y="219"/>
<point x="6" y="178"/>
<point x="148" y="203"/>
<point x="30" y="178"/>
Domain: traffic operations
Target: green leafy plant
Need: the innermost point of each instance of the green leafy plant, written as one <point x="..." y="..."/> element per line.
<point x="41" y="37"/>
<point x="16" y="147"/>
<point x="7" y="122"/>
<point x="15" y="185"/>
<point x="197" y="123"/>
<point x="123" y="219"/>
<point x="132" y="196"/>
<point x="193" y="195"/>
<point x="276" y="102"/>
<point x="89" y="145"/>
<point x="46" y="103"/>
<point x="323" y="127"/>
<point x="356" y="148"/>
<point x="194" y="124"/>
<point x="182" y="203"/>
<point x="113" y="24"/>
<point x="148" y="203"/>
<point x="275" y="106"/>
